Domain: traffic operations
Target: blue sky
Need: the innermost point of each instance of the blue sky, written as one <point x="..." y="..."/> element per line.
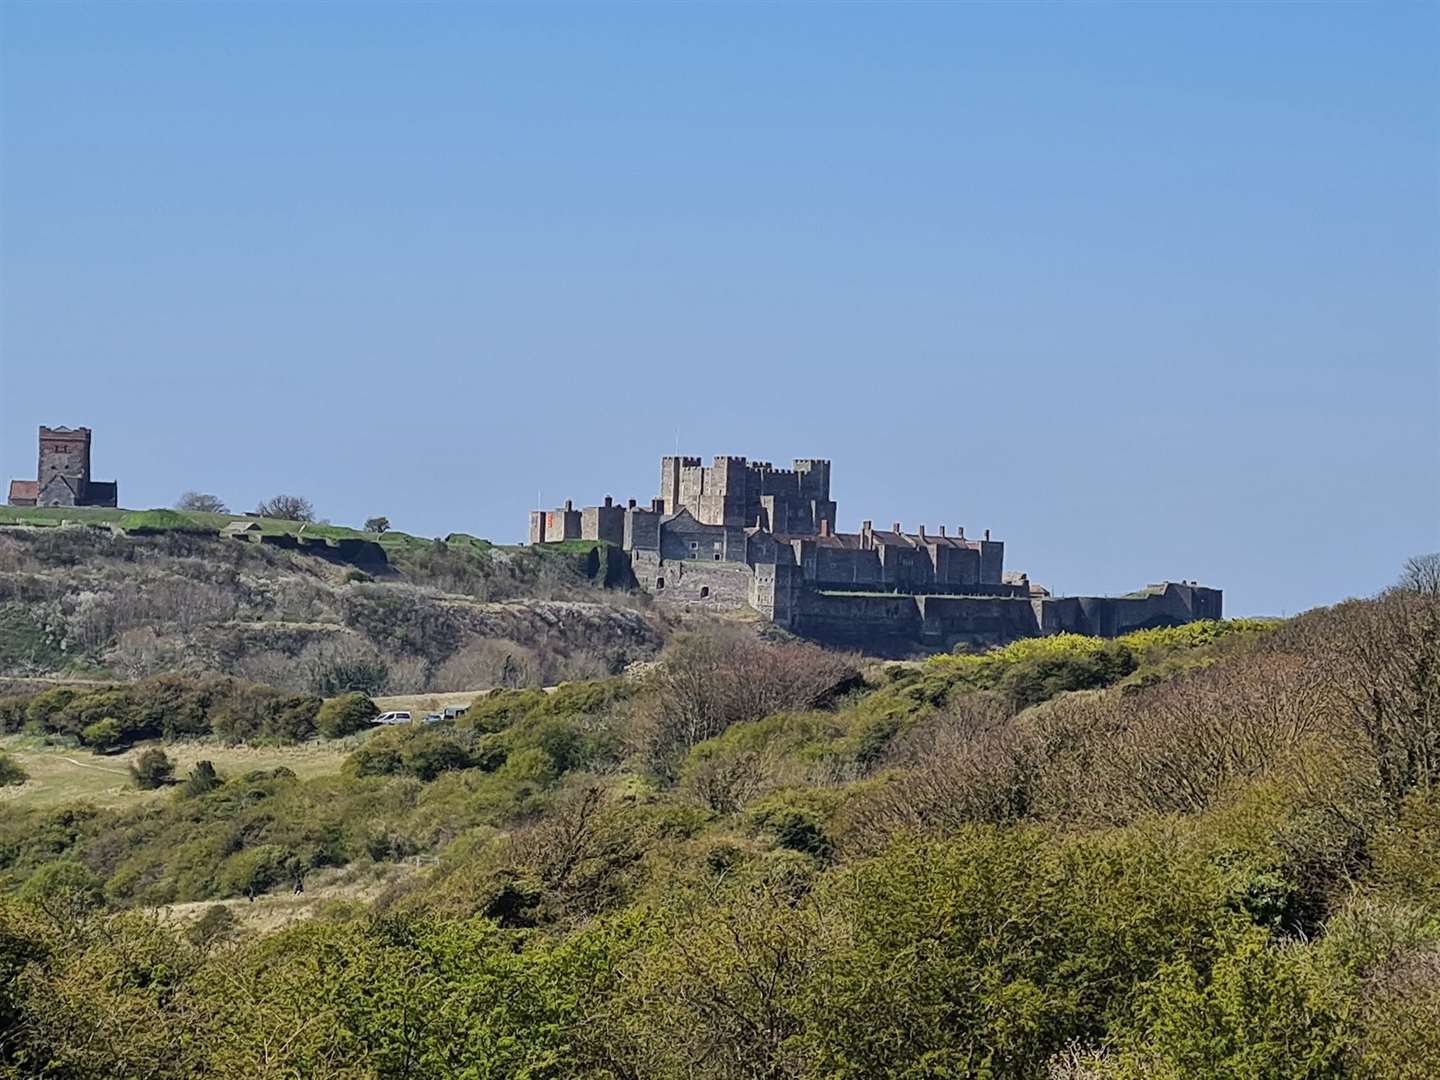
<point x="1149" y="290"/>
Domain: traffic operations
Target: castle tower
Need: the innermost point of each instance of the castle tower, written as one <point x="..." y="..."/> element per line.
<point x="62" y="473"/>
<point x="64" y="452"/>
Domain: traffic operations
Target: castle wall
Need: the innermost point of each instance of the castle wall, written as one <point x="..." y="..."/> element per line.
<point x="694" y="584"/>
<point x="775" y="590"/>
<point x="1171" y="604"/>
<point x="902" y="624"/>
<point x="562" y="523"/>
<point x="641" y="530"/>
<point x="992" y="561"/>
<point x="603" y="523"/>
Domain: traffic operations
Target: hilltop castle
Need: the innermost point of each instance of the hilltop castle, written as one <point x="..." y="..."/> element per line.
<point x="62" y="477"/>
<point x="743" y="533"/>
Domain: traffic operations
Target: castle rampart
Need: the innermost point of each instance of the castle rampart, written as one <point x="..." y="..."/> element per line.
<point x="741" y="533"/>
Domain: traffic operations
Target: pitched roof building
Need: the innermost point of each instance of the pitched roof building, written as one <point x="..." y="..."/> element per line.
<point x="62" y="474"/>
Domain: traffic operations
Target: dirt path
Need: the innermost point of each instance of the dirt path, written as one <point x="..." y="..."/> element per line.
<point x="98" y="768"/>
<point x="272" y="910"/>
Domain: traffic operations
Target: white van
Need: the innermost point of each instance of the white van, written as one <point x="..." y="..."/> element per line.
<point x="393" y="718"/>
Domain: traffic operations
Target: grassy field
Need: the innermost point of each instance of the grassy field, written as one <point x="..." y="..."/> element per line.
<point x="61" y="775"/>
<point x="163" y="519"/>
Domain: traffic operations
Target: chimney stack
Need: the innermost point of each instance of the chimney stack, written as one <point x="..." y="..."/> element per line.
<point x="569" y="504"/>
<point x="895" y="528"/>
<point x="922" y="532"/>
<point x="867" y="541"/>
<point x="960" y="531"/>
<point x="942" y="530"/>
<point x="987" y="534"/>
<point x="631" y="504"/>
<point x="609" y="501"/>
<point x="824" y="527"/>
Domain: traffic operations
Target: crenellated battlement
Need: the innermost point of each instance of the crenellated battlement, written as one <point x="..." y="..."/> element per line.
<point x="740" y="532"/>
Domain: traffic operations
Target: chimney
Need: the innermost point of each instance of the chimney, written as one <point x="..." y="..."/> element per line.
<point x="569" y="504"/>
<point x="824" y="526"/>
<point x="609" y="501"/>
<point x="960" y="531"/>
<point x="867" y="541"/>
<point x="922" y="532"/>
<point x="631" y="504"/>
<point x="942" y="530"/>
<point x="895" y="528"/>
<point x="987" y="534"/>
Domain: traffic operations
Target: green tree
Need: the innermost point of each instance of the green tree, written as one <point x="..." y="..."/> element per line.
<point x="103" y="734"/>
<point x="153" y="769"/>
<point x="345" y="715"/>
<point x="377" y="524"/>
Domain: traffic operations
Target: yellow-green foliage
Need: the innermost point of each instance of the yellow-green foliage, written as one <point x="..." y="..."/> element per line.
<point x="762" y="916"/>
<point x="1194" y="635"/>
<point x="1057" y="645"/>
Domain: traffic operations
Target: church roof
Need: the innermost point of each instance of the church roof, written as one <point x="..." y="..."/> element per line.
<point x="24" y="490"/>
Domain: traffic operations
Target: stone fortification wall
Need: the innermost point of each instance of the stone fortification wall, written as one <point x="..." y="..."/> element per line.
<point x="606" y="522"/>
<point x="694" y="584"/>
<point x="891" y="624"/>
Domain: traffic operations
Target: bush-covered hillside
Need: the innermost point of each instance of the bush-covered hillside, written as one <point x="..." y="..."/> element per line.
<point x="1204" y="852"/>
<point x="441" y="615"/>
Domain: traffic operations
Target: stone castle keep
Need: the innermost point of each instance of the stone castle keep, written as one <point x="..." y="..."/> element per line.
<point x="743" y="533"/>
<point x="62" y="477"/>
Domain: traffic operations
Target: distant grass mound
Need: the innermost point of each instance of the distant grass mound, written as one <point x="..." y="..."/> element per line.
<point x="149" y="522"/>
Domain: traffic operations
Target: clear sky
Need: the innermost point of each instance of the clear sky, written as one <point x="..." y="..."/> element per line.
<point x="1149" y="290"/>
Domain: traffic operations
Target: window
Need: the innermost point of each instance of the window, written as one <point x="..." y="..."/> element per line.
<point x="659" y="583"/>
<point x="704" y="591"/>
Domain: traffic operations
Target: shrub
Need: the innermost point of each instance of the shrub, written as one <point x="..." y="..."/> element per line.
<point x="216" y="925"/>
<point x="199" y="502"/>
<point x="66" y="884"/>
<point x="292" y="719"/>
<point x="345" y="715"/>
<point x="254" y="870"/>
<point x="102" y="735"/>
<point x="11" y="771"/>
<point x="153" y="769"/>
<point x="202" y="779"/>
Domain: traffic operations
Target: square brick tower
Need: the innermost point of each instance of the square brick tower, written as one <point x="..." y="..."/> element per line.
<point x="62" y="473"/>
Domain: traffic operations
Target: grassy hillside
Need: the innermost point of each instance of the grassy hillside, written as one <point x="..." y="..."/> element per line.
<point x="1212" y="851"/>
<point x="435" y="616"/>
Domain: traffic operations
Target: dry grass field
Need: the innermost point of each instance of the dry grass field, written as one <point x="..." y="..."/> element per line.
<point x="61" y="774"/>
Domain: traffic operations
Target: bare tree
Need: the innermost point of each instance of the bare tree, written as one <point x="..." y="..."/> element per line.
<point x="201" y="503"/>
<point x="287" y="508"/>
<point x="711" y="679"/>
<point x="1381" y="658"/>
<point x="1422" y="575"/>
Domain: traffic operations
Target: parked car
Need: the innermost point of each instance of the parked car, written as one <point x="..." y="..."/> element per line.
<point x="433" y="718"/>
<point x="393" y="718"/>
